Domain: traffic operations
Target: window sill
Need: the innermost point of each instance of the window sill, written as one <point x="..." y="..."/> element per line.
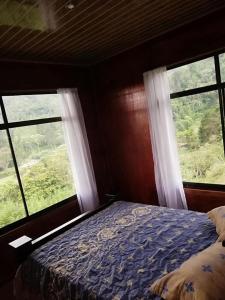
<point x="204" y="186"/>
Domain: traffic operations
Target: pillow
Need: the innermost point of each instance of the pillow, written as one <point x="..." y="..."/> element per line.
<point x="217" y="215"/>
<point x="201" y="277"/>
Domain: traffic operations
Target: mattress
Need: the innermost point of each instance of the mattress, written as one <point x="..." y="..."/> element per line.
<point x="116" y="254"/>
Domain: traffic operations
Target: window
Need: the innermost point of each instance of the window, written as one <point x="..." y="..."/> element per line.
<point x="1" y="119"/>
<point x="34" y="168"/>
<point x="222" y="66"/>
<point x="192" y="76"/>
<point x="197" y="97"/>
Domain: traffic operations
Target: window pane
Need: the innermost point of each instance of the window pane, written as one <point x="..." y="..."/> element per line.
<point x="11" y="205"/>
<point x="198" y="130"/>
<point x="1" y="118"/>
<point x="194" y="75"/>
<point x="43" y="164"/>
<point x="222" y="66"/>
<point x="30" y="107"/>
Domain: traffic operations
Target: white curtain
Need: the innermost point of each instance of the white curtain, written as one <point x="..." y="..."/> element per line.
<point x="78" y="149"/>
<point x="165" y="154"/>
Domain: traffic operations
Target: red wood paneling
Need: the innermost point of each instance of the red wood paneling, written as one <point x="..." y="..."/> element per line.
<point x="34" y="228"/>
<point x="86" y="93"/>
<point x="31" y="76"/>
<point x="114" y="104"/>
<point x="121" y="107"/>
<point x="125" y="130"/>
<point x="6" y="291"/>
<point x="204" y="200"/>
<point x="36" y="76"/>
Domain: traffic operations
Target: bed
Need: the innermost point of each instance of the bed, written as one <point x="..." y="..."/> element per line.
<point x="115" y="254"/>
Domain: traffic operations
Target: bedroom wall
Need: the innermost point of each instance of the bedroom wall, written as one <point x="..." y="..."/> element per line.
<point x="34" y="228"/>
<point x="114" y="105"/>
<point x="32" y="76"/>
<point x="36" y="76"/>
<point x="122" y="114"/>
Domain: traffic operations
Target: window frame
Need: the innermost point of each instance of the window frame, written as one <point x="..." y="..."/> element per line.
<point x="219" y="87"/>
<point x="6" y="126"/>
<point x="12" y="226"/>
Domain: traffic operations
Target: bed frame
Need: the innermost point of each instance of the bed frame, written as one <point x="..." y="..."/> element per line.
<point x="24" y="245"/>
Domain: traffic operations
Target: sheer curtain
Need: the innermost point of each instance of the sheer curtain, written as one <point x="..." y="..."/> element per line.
<point x="78" y="149"/>
<point x="166" y="161"/>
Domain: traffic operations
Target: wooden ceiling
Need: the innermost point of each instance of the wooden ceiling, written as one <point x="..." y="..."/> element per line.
<point x="93" y="30"/>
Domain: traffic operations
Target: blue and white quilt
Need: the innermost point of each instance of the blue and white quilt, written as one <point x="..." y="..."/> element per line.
<point x="117" y="254"/>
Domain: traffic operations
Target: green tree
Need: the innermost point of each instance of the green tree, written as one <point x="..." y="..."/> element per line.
<point x="210" y="127"/>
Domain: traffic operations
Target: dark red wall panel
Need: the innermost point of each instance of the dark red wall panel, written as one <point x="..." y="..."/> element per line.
<point x="35" y="228"/>
<point x="31" y="76"/>
<point x="204" y="200"/>
<point x="122" y="113"/>
<point x="114" y="104"/>
<point x="38" y="76"/>
<point x="126" y="133"/>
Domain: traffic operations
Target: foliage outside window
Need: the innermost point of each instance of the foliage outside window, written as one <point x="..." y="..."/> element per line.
<point x="34" y="167"/>
<point x="197" y="97"/>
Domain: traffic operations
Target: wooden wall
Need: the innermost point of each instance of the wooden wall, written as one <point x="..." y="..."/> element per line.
<point x="38" y="76"/>
<point x="114" y="104"/>
<point x="31" y="76"/>
<point x="33" y="229"/>
<point x="18" y="76"/>
<point x="122" y="115"/>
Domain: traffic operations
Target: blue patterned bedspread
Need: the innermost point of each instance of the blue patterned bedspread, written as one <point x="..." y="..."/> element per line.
<point x="117" y="253"/>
